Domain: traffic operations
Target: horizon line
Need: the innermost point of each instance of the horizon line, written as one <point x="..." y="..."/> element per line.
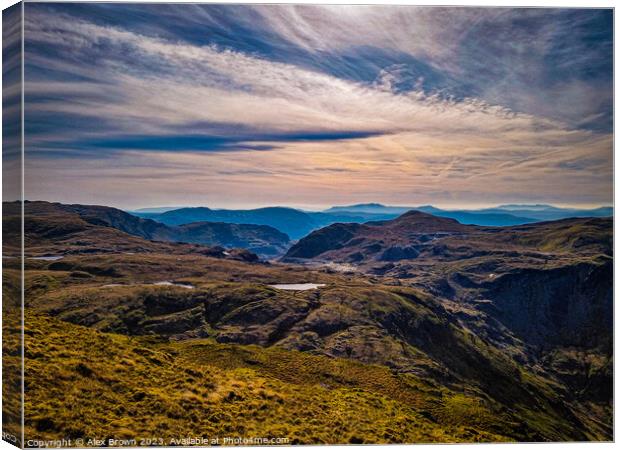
<point x="320" y="208"/>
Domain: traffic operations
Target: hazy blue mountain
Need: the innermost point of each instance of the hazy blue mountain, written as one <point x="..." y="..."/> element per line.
<point x="326" y="218"/>
<point x="490" y="219"/>
<point x="532" y="207"/>
<point x="298" y="223"/>
<point x="503" y="215"/>
<point x="155" y="210"/>
<point x="381" y="212"/>
<point x="369" y="208"/>
<point x="293" y="222"/>
<point x="548" y="212"/>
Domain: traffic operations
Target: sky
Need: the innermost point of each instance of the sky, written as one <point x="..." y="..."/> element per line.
<point x="136" y="105"/>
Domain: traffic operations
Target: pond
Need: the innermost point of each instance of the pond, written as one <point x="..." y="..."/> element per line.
<point x="159" y="283"/>
<point x="171" y="283"/>
<point x="297" y="287"/>
<point x="47" y="258"/>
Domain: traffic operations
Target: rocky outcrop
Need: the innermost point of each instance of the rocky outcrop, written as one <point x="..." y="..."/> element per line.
<point x="329" y="238"/>
<point x="398" y="253"/>
<point x="569" y="306"/>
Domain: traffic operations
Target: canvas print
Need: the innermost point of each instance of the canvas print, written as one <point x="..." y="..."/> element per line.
<point x="291" y="224"/>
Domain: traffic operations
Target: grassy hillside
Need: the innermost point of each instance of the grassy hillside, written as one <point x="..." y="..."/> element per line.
<point x="85" y="383"/>
<point x="410" y="334"/>
<point x="446" y="336"/>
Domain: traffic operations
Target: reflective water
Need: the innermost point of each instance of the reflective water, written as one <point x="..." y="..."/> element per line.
<point x="297" y="287"/>
<point x="159" y="283"/>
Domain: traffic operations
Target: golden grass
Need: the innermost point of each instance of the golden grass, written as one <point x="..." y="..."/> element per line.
<point x="87" y="384"/>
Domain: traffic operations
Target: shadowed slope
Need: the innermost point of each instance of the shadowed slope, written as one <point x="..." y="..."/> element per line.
<point x="84" y="228"/>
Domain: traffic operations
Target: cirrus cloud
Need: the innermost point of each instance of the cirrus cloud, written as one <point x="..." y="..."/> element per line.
<point x="111" y="100"/>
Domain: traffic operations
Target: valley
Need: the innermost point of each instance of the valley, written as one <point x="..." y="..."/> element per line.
<point x="414" y="329"/>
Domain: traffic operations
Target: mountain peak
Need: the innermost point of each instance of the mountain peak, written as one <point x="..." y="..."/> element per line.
<point x="525" y="206"/>
<point x="358" y="206"/>
<point x="421" y="217"/>
<point x="415" y="221"/>
<point x="417" y="213"/>
<point x="190" y="208"/>
<point x="370" y="205"/>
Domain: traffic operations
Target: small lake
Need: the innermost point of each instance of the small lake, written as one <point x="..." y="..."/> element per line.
<point x="47" y="258"/>
<point x="297" y="287"/>
<point x="170" y="283"/>
<point x="159" y="283"/>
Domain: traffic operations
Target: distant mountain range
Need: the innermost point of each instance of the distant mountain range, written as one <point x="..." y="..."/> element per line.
<point x="267" y="232"/>
<point x="503" y="215"/>
<point x="298" y="223"/>
<point x="157" y="210"/>
<point x="290" y="221"/>
<point x="293" y="222"/>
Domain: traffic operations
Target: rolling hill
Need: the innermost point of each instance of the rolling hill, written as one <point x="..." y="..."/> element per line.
<point x="548" y="283"/>
<point x="80" y="228"/>
<point x="298" y="224"/>
<point x="421" y="329"/>
<point x="503" y="215"/>
<point x="462" y="369"/>
<point x="293" y="222"/>
<point x="417" y="234"/>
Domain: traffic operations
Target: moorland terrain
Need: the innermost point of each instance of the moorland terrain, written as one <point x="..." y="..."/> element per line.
<point x="418" y="328"/>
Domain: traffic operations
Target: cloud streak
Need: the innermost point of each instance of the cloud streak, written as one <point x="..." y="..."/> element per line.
<point x="157" y="98"/>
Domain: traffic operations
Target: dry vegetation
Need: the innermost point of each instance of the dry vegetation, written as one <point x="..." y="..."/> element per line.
<point x="433" y="350"/>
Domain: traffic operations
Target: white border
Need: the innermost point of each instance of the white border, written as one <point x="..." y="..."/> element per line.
<point x="484" y="3"/>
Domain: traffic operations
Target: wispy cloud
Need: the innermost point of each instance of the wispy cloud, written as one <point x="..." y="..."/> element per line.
<point x="526" y="59"/>
<point x="164" y="101"/>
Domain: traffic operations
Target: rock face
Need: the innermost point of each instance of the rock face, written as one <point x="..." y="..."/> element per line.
<point x="55" y="220"/>
<point x="398" y="253"/>
<point x="569" y="306"/>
